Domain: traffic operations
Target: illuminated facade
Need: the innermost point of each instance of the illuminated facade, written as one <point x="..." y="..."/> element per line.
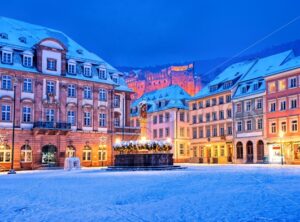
<point x="69" y="102"/>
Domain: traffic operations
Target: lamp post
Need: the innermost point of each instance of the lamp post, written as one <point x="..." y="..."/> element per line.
<point x="12" y="170"/>
<point x="281" y="135"/>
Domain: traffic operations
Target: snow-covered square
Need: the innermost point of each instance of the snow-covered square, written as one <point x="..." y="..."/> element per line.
<point x="198" y="193"/>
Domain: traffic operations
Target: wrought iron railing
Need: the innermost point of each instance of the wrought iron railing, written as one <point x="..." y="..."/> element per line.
<point x="52" y="125"/>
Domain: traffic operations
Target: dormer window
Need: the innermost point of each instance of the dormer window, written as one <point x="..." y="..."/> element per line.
<point x="7" y="55"/>
<point x="102" y="73"/>
<point x="27" y="59"/>
<point x="227" y="85"/>
<point x="51" y="64"/>
<point x="72" y="67"/>
<point x="3" y="36"/>
<point x="244" y="89"/>
<point x="87" y="70"/>
<point x="213" y="88"/>
<point x="22" y="39"/>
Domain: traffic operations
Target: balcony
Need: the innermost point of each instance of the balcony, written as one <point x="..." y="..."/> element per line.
<point x="51" y="128"/>
<point x="128" y="130"/>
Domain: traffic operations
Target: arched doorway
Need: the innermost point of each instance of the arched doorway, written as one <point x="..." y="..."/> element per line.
<point x="49" y="155"/>
<point x="260" y="150"/>
<point x="249" y="152"/>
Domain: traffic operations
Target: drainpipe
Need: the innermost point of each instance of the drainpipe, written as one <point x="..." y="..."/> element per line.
<point x="175" y="138"/>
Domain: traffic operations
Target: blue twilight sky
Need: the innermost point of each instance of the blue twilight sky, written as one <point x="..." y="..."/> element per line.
<point x="153" y="32"/>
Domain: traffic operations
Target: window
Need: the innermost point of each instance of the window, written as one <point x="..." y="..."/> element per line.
<point x="87" y="92"/>
<point x="154" y="119"/>
<point x="181" y="149"/>
<point x="214" y="116"/>
<point x="229" y="113"/>
<point x="194" y="106"/>
<point x="181" y="131"/>
<point x="194" y="118"/>
<point x="221" y="100"/>
<point x="207" y="117"/>
<point x="70" y="151"/>
<point x="26" y="154"/>
<point x="71" y="91"/>
<point x="272" y="87"/>
<point x="260" y="124"/>
<point x="5" y="113"/>
<point x="283" y="127"/>
<point x="167" y="132"/>
<point x="87" y="71"/>
<point x="200" y="132"/>
<point x="102" y="153"/>
<point x="87" y="119"/>
<point x="248" y="106"/>
<point x="229" y="130"/>
<point x="239" y="107"/>
<point x="222" y="131"/>
<point x="200" y="105"/>
<point x="207" y="131"/>
<point x="259" y="103"/>
<point x="207" y="103"/>
<point x="194" y="133"/>
<point x="7" y="57"/>
<point x="26" y="114"/>
<point x="6" y="82"/>
<point x="221" y="115"/>
<point x="161" y="118"/>
<point x="244" y="89"/>
<point x="117" y="121"/>
<point x="239" y="150"/>
<point x="116" y="101"/>
<point x="87" y="153"/>
<point x="215" y="150"/>
<point x="281" y="85"/>
<point x="102" y="74"/>
<point x="5" y="154"/>
<point x="200" y="118"/>
<point x="181" y="116"/>
<point x="293" y="82"/>
<point x="222" y="151"/>
<point x="102" y="120"/>
<point x="27" y="85"/>
<point x="215" y="131"/>
<point x="154" y="133"/>
<point x="27" y="60"/>
<point x="294" y="126"/>
<point x="161" y="133"/>
<point x="51" y="64"/>
<point x="115" y="79"/>
<point x="249" y="125"/>
<point x="228" y="98"/>
<point x="293" y="103"/>
<point x="50" y="87"/>
<point x="102" y="95"/>
<point x="72" y="67"/>
<point x="213" y="101"/>
<point x="50" y="115"/>
<point x="273" y="127"/>
<point x="282" y="105"/>
<point x="239" y="126"/>
<point x="167" y="117"/>
<point x="71" y="118"/>
<point x="272" y="106"/>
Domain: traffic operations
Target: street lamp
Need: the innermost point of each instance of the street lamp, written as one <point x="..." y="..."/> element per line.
<point x="12" y="170"/>
<point x="281" y="135"/>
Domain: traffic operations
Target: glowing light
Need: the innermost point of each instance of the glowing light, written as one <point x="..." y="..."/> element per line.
<point x="143" y="139"/>
<point x="118" y="140"/>
<point x="281" y="134"/>
<point x="169" y="140"/>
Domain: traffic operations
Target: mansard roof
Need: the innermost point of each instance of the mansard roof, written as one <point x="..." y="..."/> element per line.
<point x="172" y="97"/>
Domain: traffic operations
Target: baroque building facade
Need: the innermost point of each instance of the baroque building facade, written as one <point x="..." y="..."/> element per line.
<point x="68" y="101"/>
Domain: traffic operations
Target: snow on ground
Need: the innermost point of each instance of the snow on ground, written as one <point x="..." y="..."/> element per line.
<point x="199" y="193"/>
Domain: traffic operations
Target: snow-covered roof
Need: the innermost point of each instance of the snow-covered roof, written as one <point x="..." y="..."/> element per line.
<point x="226" y="80"/>
<point x="171" y="97"/>
<point x="23" y="37"/>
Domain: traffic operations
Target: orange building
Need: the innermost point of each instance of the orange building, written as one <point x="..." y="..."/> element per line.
<point x="141" y="81"/>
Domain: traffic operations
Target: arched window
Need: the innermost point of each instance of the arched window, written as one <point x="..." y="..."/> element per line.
<point x="260" y="150"/>
<point x="70" y="151"/>
<point x="239" y="150"/>
<point x="102" y="153"/>
<point x="5" y="153"/>
<point x="87" y="153"/>
<point x="26" y="153"/>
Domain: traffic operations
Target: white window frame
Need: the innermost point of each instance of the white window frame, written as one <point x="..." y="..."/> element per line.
<point x="7" y="56"/>
<point x="87" y="119"/>
<point x="102" y="119"/>
<point x="27" y="85"/>
<point x="71" y="117"/>
<point x="103" y="95"/>
<point x="26" y="111"/>
<point x="290" y="81"/>
<point x="27" y="60"/>
<point x="72" y="91"/>
<point x="6" y="82"/>
<point x="6" y="113"/>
